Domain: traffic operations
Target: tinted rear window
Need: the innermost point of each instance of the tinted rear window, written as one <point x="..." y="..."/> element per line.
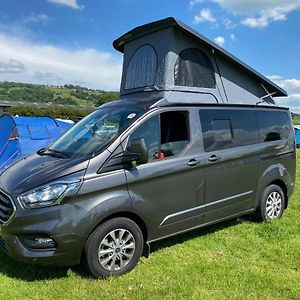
<point x="227" y="128"/>
<point x="273" y="125"/>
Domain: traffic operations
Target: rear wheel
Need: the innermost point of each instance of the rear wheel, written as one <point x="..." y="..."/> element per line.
<point x="272" y="203"/>
<point x="114" y="248"/>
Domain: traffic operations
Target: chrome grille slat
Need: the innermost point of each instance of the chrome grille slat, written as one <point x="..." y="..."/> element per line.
<point x="6" y="208"/>
<point x="4" y="201"/>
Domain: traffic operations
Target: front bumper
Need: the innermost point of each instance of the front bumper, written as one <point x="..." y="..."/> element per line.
<point x="61" y="223"/>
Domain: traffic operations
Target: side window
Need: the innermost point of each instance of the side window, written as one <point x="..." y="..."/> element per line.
<point x="165" y="135"/>
<point x="245" y="127"/>
<point x="222" y="133"/>
<point x="224" y="128"/>
<point x="273" y="125"/>
<point x="141" y="70"/>
<point x="149" y="131"/>
<point x="174" y="132"/>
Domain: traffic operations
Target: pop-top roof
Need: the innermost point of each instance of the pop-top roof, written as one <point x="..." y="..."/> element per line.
<point x="149" y="28"/>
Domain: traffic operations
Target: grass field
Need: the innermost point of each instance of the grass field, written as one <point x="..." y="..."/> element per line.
<point x="296" y="120"/>
<point x="239" y="259"/>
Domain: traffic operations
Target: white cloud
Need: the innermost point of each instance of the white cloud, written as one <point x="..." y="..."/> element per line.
<point x="205" y="15"/>
<point x="248" y="7"/>
<point x="70" y="3"/>
<point x="265" y="17"/>
<point x="12" y="66"/>
<point x="35" y="18"/>
<point x="194" y="2"/>
<point x="259" y="13"/>
<point x="220" y="41"/>
<point x="233" y="37"/>
<point x="255" y="22"/>
<point x="50" y="64"/>
<point x="228" y="23"/>
<point x="292" y="102"/>
<point x="275" y="78"/>
<point x="292" y="86"/>
<point x="48" y="78"/>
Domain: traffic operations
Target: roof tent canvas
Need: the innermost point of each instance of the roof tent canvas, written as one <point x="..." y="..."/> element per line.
<point x="21" y="136"/>
<point x="168" y="60"/>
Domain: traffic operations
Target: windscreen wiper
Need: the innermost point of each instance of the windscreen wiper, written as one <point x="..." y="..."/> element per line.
<point x="52" y="152"/>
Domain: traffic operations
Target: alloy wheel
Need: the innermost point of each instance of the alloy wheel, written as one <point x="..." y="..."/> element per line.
<point x="116" y="249"/>
<point x="274" y="205"/>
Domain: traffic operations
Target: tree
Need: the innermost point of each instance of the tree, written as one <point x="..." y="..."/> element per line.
<point x="107" y="97"/>
<point x="53" y="111"/>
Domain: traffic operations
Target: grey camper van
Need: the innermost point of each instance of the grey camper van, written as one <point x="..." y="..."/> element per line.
<point x="195" y="139"/>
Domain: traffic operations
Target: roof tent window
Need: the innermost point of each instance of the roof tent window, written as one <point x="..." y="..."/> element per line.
<point x="142" y="68"/>
<point x="193" y="68"/>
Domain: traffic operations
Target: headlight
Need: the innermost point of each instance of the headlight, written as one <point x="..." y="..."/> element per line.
<point x="49" y="194"/>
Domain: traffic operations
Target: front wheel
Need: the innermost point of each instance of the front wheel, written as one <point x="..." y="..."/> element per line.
<point x="271" y="204"/>
<point x="114" y="248"/>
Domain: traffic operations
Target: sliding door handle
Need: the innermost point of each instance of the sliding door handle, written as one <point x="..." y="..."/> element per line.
<point x="193" y="162"/>
<point x="214" y="158"/>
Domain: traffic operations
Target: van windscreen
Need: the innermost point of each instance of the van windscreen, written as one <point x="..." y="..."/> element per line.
<point x="93" y="133"/>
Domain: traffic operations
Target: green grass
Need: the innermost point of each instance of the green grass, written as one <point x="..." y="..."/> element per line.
<point x="296" y="119"/>
<point x="66" y="93"/>
<point x="239" y="259"/>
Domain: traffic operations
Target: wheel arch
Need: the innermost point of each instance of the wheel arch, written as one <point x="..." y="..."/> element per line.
<point x="274" y="174"/>
<point x="129" y="215"/>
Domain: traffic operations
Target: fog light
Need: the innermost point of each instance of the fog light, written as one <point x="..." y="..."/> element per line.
<point x="37" y="242"/>
<point x="45" y="241"/>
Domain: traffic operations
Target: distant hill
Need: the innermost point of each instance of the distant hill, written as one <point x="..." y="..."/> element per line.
<point x="296" y="118"/>
<point x="67" y="94"/>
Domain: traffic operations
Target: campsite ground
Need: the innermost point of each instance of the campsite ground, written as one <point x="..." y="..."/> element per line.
<point x="239" y="259"/>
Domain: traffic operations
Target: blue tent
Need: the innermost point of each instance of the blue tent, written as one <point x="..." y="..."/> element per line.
<point x="21" y="136"/>
<point x="297" y="135"/>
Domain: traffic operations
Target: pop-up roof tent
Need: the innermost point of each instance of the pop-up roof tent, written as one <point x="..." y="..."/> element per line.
<point x="20" y="136"/>
<point x="168" y="62"/>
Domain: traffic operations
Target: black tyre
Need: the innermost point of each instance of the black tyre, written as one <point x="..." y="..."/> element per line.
<point x="271" y="204"/>
<point x="114" y="248"/>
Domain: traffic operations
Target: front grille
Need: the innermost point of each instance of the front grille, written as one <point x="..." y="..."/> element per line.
<point x="6" y="208"/>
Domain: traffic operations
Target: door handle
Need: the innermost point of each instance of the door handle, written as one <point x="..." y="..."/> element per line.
<point x="214" y="158"/>
<point x="193" y="162"/>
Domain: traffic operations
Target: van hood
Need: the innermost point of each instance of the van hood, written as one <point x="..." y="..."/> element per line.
<point x="35" y="170"/>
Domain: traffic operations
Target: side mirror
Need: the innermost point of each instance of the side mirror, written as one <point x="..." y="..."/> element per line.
<point x="136" y="151"/>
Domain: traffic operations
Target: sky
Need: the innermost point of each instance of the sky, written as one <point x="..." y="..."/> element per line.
<point x="70" y="41"/>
